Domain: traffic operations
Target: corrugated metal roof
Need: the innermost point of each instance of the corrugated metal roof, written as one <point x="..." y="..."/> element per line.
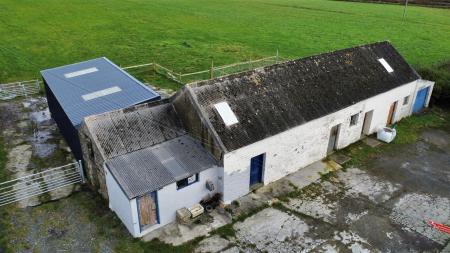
<point x="122" y="131"/>
<point x="95" y="79"/>
<point x="152" y="168"/>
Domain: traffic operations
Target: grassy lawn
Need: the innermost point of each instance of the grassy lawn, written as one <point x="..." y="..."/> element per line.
<point x="187" y="35"/>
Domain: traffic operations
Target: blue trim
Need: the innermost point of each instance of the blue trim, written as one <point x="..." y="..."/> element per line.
<point x="154" y="196"/>
<point x="257" y="165"/>
<point x="157" y="207"/>
<point x="421" y="99"/>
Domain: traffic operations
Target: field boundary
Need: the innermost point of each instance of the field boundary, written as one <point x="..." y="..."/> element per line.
<point x="31" y="87"/>
<point x="213" y="72"/>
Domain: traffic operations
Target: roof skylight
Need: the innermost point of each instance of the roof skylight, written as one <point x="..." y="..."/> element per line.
<point x="225" y="112"/>
<point x="386" y="65"/>
<point x="81" y="72"/>
<point x="101" y="93"/>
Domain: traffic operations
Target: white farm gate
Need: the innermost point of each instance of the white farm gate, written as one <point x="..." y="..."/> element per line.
<point x="39" y="183"/>
<point x="19" y="89"/>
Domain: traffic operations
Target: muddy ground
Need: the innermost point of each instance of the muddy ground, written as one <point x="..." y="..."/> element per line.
<point x="381" y="206"/>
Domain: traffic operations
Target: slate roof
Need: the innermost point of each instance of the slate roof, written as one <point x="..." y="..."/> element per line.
<point x="152" y="168"/>
<point x="123" y="131"/>
<point x="70" y="91"/>
<point x="270" y="100"/>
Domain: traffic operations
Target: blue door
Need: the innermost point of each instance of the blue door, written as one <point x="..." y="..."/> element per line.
<point x="421" y="99"/>
<point x="256" y="169"/>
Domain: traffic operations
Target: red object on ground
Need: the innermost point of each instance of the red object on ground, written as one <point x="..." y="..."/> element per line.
<point x="441" y="227"/>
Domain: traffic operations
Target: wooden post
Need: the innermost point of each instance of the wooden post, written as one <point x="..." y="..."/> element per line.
<point x="212" y="69"/>
<point x="404" y="10"/>
<point x="276" y="60"/>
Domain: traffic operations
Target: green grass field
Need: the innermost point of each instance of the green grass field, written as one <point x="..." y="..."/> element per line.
<point x="186" y="35"/>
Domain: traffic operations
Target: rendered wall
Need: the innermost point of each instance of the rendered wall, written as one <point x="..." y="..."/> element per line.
<point x="125" y="209"/>
<point x="308" y="143"/>
<point x="170" y="199"/>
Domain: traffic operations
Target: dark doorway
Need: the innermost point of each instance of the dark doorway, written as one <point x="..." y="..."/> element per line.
<point x="367" y="122"/>
<point x="256" y="169"/>
<point x="334" y="134"/>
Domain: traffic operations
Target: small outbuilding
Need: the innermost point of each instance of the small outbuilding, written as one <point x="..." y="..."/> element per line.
<point x="87" y="88"/>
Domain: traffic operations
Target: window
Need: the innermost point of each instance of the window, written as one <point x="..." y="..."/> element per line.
<point x="101" y="93"/>
<point x="187" y="181"/>
<point x="225" y="112"/>
<point x="80" y="72"/>
<point x="406" y="100"/>
<point x="354" y="119"/>
<point x="386" y="65"/>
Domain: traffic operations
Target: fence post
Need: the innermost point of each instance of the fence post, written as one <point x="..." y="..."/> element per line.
<point x="212" y="70"/>
<point x="276" y="60"/>
<point x="80" y="169"/>
<point x="23" y="89"/>
<point x="38" y="87"/>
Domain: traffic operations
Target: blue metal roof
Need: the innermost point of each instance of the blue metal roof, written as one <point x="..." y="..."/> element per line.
<point x="93" y="87"/>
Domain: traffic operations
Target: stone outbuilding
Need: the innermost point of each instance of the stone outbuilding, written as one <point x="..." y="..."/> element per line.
<point x="244" y="130"/>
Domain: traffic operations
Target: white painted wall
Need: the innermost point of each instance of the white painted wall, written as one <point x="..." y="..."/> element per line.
<point x="170" y="199"/>
<point x="300" y="146"/>
<point x="125" y="209"/>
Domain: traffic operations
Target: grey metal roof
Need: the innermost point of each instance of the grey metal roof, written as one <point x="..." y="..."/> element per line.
<point x="93" y="87"/>
<point x="152" y="168"/>
<point x="270" y="100"/>
<point x="122" y="131"/>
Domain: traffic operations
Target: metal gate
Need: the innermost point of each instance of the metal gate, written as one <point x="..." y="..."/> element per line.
<point x="39" y="183"/>
<point x="19" y="89"/>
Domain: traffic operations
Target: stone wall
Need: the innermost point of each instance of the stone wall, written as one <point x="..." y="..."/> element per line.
<point x="92" y="162"/>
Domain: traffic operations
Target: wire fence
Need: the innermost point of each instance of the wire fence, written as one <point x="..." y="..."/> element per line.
<point x="142" y="71"/>
<point x="19" y="89"/>
<point x="213" y="72"/>
<point x="36" y="184"/>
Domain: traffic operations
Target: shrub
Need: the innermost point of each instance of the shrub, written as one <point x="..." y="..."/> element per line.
<point x="441" y="75"/>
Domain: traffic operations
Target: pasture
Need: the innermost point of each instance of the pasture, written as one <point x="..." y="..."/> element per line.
<point x="187" y="35"/>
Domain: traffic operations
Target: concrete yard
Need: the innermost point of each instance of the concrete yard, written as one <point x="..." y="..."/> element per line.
<point x="382" y="207"/>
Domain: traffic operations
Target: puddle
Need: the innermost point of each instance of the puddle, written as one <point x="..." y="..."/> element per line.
<point x="43" y="150"/>
<point x="41" y="116"/>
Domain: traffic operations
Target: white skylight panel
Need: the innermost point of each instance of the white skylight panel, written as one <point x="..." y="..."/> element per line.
<point x="386" y="65"/>
<point x="225" y="112"/>
<point x="81" y="72"/>
<point x="101" y="93"/>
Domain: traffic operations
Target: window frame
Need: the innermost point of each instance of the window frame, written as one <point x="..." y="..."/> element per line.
<point x="406" y="100"/>
<point x="354" y="122"/>
<point x="184" y="185"/>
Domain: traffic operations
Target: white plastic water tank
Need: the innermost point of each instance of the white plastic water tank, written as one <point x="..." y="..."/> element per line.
<point x="386" y="134"/>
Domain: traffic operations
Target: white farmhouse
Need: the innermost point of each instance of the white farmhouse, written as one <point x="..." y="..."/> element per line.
<point x="230" y="134"/>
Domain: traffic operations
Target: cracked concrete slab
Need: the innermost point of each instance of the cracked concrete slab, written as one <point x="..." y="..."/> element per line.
<point x="212" y="244"/>
<point x="359" y="182"/>
<point x="415" y="210"/>
<point x="305" y="176"/>
<point x="272" y="230"/>
<point x="177" y="234"/>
